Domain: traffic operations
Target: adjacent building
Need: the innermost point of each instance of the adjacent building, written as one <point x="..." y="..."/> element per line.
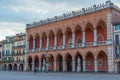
<point x="78" y="41"/>
<point x="7" y="50"/>
<point x="0" y="55"/>
<point x="116" y="28"/>
<point x="19" y="52"/>
<point x="13" y="52"/>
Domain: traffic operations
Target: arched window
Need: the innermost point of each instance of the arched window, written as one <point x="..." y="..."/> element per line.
<point x="79" y="41"/>
<point x="61" y="43"/>
<point x="70" y="42"/>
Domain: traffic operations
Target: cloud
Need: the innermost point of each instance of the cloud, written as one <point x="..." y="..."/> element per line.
<point x="33" y="9"/>
<point x="10" y="28"/>
<point x="16" y="13"/>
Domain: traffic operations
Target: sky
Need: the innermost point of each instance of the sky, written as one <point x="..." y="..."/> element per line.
<point x="15" y="14"/>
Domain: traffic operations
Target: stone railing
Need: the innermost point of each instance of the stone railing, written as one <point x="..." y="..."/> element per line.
<point x="43" y="49"/>
<point x="36" y="50"/>
<point x="30" y="50"/>
<point x="51" y="48"/>
<point x="88" y="44"/>
<point x="68" y="46"/>
<point x="78" y="45"/>
<point x="59" y="47"/>
<point x="72" y="14"/>
<point x="101" y="43"/>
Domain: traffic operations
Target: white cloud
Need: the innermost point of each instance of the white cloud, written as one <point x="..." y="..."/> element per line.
<point x="10" y="28"/>
<point x="33" y="9"/>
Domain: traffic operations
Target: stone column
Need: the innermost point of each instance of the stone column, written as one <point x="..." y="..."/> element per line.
<point x="64" y="38"/>
<point x="40" y="65"/>
<point x="83" y="39"/>
<point x="17" y="67"/>
<point x="7" y="67"/>
<point x="55" y="42"/>
<point x="63" y="64"/>
<point x="33" y="44"/>
<point x="43" y="66"/>
<point x="116" y="67"/>
<point x="26" y="43"/>
<point x="26" y="50"/>
<point x="47" y="45"/>
<point x="73" y="65"/>
<point x="96" y="65"/>
<point x="73" y="39"/>
<point x="84" y="65"/>
<point x="25" y="66"/>
<point x="55" y="66"/>
<point x="78" y="64"/>
<point x="109" y="41"/>
<point x="95" y="37"/>
<point x="12" y="66"/>
<point x="27" y="46"/>
<point x="40" y="43"/>
<point x="110" y="59"/>
<point x="33" y="65"/>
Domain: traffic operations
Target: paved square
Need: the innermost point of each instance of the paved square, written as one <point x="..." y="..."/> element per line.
<point x="57" y="76"/>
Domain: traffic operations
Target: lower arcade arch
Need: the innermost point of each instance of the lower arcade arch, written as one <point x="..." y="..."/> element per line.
<point x="102" y="62"/>
<point x="10" y="67"/>
<point x="59" y="62"/>
<point x="43" y="63"/>
<point x="36" y="59"/>
<point x="78" y="62"/>
<point x="15" y="67"/>
<point x="4" y="67"/>
<point x="51" y="63"/>
<point x="119" y="66"/>
<point x="30" y="63"/>
<point x="89" y="62"/>
<point x="21" y="67"/>
<point x="68" y="63"/>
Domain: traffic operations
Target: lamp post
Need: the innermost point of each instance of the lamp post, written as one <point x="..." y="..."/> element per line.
<point x="47" y="56"/>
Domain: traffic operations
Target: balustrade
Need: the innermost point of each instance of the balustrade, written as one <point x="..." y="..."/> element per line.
<point x="99" y="43"/>
<point x="78" y="45"/>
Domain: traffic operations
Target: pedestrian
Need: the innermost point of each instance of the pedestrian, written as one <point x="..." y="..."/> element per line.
<point x="34" y="70"/>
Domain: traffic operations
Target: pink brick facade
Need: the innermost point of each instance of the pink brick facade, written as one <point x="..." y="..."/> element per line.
<point x="75" y="38"/>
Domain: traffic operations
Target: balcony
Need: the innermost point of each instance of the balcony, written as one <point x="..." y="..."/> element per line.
<point x="78" y="45"/>
<point x="59" y="47"/>
<point x="18" y="61"/>
<point x="7" y="61"/>
<point x="7" y="55"/>
<point x="117" y="43"/>
<point x="51" y="48"/>
<point x="18" y="54"/>
<point x="36" y="50"/>
<point x="89" y="44"/>
<point x="43" y="49"/>
<point x="117" y="56"/>
<point x="21" y="46"/>
<point x="68" y="46"/>
<point x="101" y="43"/>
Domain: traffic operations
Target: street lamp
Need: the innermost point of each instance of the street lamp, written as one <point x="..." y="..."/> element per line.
<point x="47" y="56"/>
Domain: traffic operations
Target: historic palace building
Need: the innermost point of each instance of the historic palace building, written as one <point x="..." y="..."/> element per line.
<point x="77" y="41"/>
<point x="19" y="52"/>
